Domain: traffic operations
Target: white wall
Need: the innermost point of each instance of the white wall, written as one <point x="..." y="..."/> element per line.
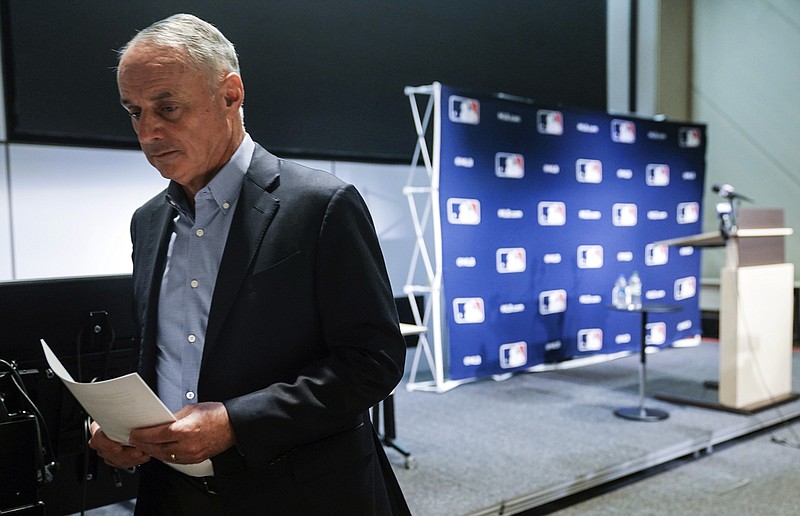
<point x="6" y="251"/>
<point x="745" y="86"/>
<point x="618" y="54"/>
<point x="382" y="187"/>
<point x="70" y="209"/>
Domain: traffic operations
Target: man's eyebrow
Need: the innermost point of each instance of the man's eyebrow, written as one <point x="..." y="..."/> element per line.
<point x="160" y="96"/>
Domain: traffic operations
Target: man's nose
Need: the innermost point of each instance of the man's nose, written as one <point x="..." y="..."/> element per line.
<point x="149" y="128"/>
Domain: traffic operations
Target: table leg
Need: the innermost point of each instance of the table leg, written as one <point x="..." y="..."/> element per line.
<point x="641" y="413"/>
<point x="389" y="437"/>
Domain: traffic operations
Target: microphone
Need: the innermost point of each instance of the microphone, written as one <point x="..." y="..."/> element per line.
<point x="726" y="191"/>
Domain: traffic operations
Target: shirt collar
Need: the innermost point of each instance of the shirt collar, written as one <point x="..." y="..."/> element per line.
<point x="224" y="187"/>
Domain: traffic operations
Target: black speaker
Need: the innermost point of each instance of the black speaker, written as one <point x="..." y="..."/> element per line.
<point x="18" y="454"/>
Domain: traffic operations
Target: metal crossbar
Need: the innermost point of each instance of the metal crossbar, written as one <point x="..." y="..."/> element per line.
<point x="421" y="191"/>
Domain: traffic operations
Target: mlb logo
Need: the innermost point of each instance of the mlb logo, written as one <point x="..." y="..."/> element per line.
<point x="464" y="110"/>
<point x="624" y="214"/>
<point x="514" y="354"/>
<point x="590" y="256"/>
<point x="656" y="254"/>
<point x="656" y="333"/>
<point x="589" y="171"/>
<point x="552" y="301"/>
<point x="552" y="213"/>
<point x="468" y="310"/>
<point x="510" y="260"/>
<point x="590" y="339"/>
<point x="690" y="137"/>
<point x="657" y="174"/>
<point x="463" y="211"/>
<point x="549" y="122"/>
<point x="509" y="165"/>
<point x="685" y="288"/>
<point x="623" y="131"/>
<point x="688" y="212"/>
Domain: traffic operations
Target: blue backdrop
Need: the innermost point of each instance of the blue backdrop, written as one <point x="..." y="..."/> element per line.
<point x="542" y="208"/>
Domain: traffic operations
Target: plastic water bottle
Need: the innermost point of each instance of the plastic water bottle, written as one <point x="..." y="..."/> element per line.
<point x="619" y="294"/>
<point x="635" y="289"/>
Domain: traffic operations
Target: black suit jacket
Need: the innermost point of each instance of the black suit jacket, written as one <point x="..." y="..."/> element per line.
<point x="302" y="340"/>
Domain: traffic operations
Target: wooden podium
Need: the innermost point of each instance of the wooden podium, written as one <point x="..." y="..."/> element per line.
<point x="756" y="303"/>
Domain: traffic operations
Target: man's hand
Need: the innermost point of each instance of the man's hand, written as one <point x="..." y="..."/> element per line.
<point x="201" y="431"/>
<point x="113" y="453"/>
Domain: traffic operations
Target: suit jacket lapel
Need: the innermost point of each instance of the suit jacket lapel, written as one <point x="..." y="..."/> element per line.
<point x="255" y="210"/>
<point x="157" y="242"/>
<point x="154" y="257"/>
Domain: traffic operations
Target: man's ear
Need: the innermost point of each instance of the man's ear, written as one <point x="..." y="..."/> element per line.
<point x="233" y="90"/>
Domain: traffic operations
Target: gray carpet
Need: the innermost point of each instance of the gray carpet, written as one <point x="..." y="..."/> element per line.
<point x="505" y="447"/>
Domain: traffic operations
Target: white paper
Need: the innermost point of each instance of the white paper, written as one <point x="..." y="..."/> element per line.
<point x="121" y="404"/>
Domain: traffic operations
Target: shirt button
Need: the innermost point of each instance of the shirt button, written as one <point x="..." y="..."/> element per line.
<point x="192" y="338"/>
<point x="225" y="205"/>
<point x="190" y="395"/>
<point x="200" y="232"/>
<point x="194" y="283"/>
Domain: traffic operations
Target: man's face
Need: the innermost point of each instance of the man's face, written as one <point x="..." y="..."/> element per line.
<point x="185" y="126"/>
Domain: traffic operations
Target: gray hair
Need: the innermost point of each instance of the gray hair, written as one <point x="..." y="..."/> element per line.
<point x="205" y="46"/>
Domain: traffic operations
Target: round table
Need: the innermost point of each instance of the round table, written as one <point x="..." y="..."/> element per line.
<point x="640" y="412"/>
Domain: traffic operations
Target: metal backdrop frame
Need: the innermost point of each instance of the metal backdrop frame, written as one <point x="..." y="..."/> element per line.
<point x="422" y="194"/>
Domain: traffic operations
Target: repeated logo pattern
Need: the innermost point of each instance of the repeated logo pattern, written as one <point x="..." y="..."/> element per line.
<point x="543" y="208"/>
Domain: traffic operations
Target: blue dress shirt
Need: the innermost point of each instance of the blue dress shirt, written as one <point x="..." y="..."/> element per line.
<point x="187" y="286"/>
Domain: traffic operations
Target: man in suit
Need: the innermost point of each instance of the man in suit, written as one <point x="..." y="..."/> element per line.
<point x="267" y="321"/>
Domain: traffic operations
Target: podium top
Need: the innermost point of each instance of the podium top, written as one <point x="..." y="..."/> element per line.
<point x="762" y="232"/>
<point x="715" y="238"/>
<point x="757" y="240"/>
<point x="710" y="239"/>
